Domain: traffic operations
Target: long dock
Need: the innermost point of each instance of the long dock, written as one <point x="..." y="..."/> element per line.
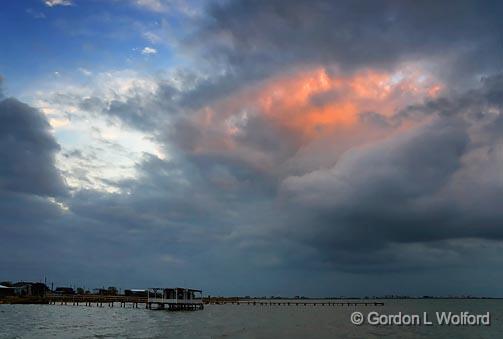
<point x="124" y="301"/>
<point x="98" y="300"/>
<point x="298" y="303"/>
<point x="143" y="302"/>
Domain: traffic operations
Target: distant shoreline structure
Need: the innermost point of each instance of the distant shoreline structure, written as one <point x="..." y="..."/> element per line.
<point x="39" y="293"/>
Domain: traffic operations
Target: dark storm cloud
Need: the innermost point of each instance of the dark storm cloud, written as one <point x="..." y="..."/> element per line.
<point x="27" y="150"/>
<point x="419" y="190"/>
<point x="27" y="171"/>
<point x="381" y="193"/>
<point x="260" y="37"/>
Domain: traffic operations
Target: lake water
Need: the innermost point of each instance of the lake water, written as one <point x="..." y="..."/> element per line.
<point x="240" y="321"/>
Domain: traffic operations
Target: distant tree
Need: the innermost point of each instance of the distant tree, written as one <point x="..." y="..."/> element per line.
<point x="80" y="290"/>
<point x="112" y="290"/>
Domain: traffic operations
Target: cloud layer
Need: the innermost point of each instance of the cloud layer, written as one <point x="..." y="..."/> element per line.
<point x="326" y="143"/>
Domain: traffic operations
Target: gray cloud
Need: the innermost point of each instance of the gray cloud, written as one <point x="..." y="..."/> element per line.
<point x="28" y="178"/>
<point x="27" y="149"/>
<point x="419" y="190"/>
<point x="255" y="38"/>
<point x="380" y="194"/>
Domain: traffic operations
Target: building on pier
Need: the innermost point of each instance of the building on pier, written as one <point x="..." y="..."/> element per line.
<point x="175" y="298"/>
<point x="29" y="289"/>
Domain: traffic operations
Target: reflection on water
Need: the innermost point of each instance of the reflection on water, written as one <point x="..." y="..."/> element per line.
<point x="238" y="321"/>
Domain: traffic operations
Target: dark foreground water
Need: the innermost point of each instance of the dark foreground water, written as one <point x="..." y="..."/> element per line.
<point x="241" y="321"/>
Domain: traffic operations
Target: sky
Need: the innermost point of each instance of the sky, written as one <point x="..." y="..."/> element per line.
<point x="308" y="147"/>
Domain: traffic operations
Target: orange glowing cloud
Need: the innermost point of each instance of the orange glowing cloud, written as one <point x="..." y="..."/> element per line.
<point x="309" y="104"/>
<point x="314" y="101"/>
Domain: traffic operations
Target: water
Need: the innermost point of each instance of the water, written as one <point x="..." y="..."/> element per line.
<point x="239" y="321"/>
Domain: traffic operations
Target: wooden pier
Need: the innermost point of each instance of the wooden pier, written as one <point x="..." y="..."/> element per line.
<point x="124" y="302"/>
<point x="289" y="302"/>
<point x="97" y="300"/>
<point x="179" y="304"/>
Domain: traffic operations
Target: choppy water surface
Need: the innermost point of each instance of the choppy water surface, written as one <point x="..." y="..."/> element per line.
<point x="239" y="321"/>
